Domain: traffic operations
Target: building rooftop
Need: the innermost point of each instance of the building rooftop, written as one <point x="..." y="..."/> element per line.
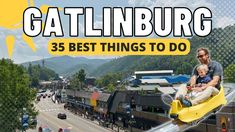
<point x="165" y="89"/>
<point x="82" y="94"/>
<point x="153" y="72"/>
<point x="103" y="97"/>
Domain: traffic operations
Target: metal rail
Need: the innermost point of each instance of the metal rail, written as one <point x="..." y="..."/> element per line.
<point x="170" y="126"/>
<point x="178" y="126"/>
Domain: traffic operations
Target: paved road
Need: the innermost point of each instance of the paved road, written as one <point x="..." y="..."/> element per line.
<point x="48" y="117"/>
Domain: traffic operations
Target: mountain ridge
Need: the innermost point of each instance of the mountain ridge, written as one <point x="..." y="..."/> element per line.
<point x="66" y="65"/>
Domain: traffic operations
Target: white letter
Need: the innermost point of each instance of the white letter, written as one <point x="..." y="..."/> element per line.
<point x="163" y="21"/>
<point x="89" y="24"/>
<point x="202" y="27"/>
<point x="183" y="17"/>
<point x="53" y="24"/>
<point x="122" y="21"/>
<point x="73" y="13"/>
<point x="32" y="26"/>
<point x="143" y="25"/>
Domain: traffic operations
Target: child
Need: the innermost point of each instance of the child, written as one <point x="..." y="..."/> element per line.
<point x="202" y="77"/>
<point x="202" y="80"/>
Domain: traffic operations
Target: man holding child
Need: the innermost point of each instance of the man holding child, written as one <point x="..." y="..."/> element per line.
<point x="205" y="80"/>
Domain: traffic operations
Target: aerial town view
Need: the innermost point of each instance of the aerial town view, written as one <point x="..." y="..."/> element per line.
<point x="117" y="66"/>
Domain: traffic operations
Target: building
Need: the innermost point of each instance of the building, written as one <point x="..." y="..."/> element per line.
<point x="225" y="119"/>
<point x="92" y="104"/>
<point x="79" y="102"/>
<point x="160" y="78"/>
<point x="153" y="77"/>
<point x="152" y="74"/>
<point x="140" y="111"/>
<point x="90" y="81"/>
<point x="148" y="110"/>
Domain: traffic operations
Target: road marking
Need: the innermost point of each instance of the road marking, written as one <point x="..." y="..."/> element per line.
<point x="48" y="110"/>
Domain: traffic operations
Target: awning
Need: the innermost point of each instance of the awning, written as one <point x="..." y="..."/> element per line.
<point x="84" y="105"/>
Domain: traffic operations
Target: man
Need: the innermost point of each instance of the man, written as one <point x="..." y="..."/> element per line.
<point x="211" y="88"/>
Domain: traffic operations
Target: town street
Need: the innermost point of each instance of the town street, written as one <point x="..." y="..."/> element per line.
<point x="48" y="117"/>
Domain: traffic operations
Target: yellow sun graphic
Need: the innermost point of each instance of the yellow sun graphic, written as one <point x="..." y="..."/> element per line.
<point x="11" y="17"/>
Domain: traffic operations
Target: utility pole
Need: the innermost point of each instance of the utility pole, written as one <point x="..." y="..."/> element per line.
<point x="43" y="62"/>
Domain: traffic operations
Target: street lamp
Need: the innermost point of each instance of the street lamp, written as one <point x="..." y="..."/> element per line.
<point x="132" y="116"/>
<point x="132" y="107"/>
<point x="132" y="121"/>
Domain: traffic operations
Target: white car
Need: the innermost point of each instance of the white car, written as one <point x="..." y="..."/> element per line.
<point x="44" y="129"/>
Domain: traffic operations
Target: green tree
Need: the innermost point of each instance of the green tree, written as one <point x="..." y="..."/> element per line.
<point x="15" y="95"/>
<point x="122" y="88"/>
<point x="74" y="82"/>
<point x="34" y="81"/>
<point x="30" y="69"/>
<point x="110" y="88"/>
<point x="229" y="73"/>
<point x="110" y="78"/>
<point x="38" y="73"/>
<point x="142" y="92"/>
<point x="81" y="77"/>
<point x="78" y="79"/>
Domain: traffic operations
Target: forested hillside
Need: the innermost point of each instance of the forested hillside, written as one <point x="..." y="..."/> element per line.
<point x="38" y="73"/>
<point x="66" y="65"/>
<point x="220" y="42"/>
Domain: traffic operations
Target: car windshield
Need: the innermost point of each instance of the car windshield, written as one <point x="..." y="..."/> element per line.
<point x="46" y="130"/>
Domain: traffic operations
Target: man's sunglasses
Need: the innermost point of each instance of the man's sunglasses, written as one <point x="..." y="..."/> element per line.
<point x="200" y="56"/>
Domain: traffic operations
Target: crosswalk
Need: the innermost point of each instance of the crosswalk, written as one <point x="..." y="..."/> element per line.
<point x="49" y="110"/>
<point x="46" y="105"/>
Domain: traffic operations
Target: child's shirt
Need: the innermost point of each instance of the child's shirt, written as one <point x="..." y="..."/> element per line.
<point x="200" y="80"/>
<point x="203" y="80"/>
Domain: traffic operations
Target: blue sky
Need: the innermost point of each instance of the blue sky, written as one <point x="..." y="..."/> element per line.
<point x="223" y="15"/>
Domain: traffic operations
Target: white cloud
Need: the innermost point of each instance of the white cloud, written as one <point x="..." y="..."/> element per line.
<point x="146" y="3"/>
<point x="98" y="25"/>
<point x="81" y="29"/>
<point x="219" y="20"/>
<point x="22" y="52"/>
<point x="222" y="22"/>
<point x="192" y="4"/>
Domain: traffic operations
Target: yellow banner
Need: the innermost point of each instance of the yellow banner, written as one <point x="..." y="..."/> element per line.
<point x="120" y="46"/>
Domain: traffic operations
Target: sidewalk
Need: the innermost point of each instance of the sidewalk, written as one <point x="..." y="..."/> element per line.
<point x="115" y="129"/>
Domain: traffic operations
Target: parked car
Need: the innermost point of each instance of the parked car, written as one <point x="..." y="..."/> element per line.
<point x="38" y="98"/>
<point x="65" y="106"/>
<point x="135" y="82"/>
<point x="64" y="130"/>
<point x="62" y="116"/>
<point x="41" y="91"/>
<point x="44" y="129"/>
<point x="34" y="121"/>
